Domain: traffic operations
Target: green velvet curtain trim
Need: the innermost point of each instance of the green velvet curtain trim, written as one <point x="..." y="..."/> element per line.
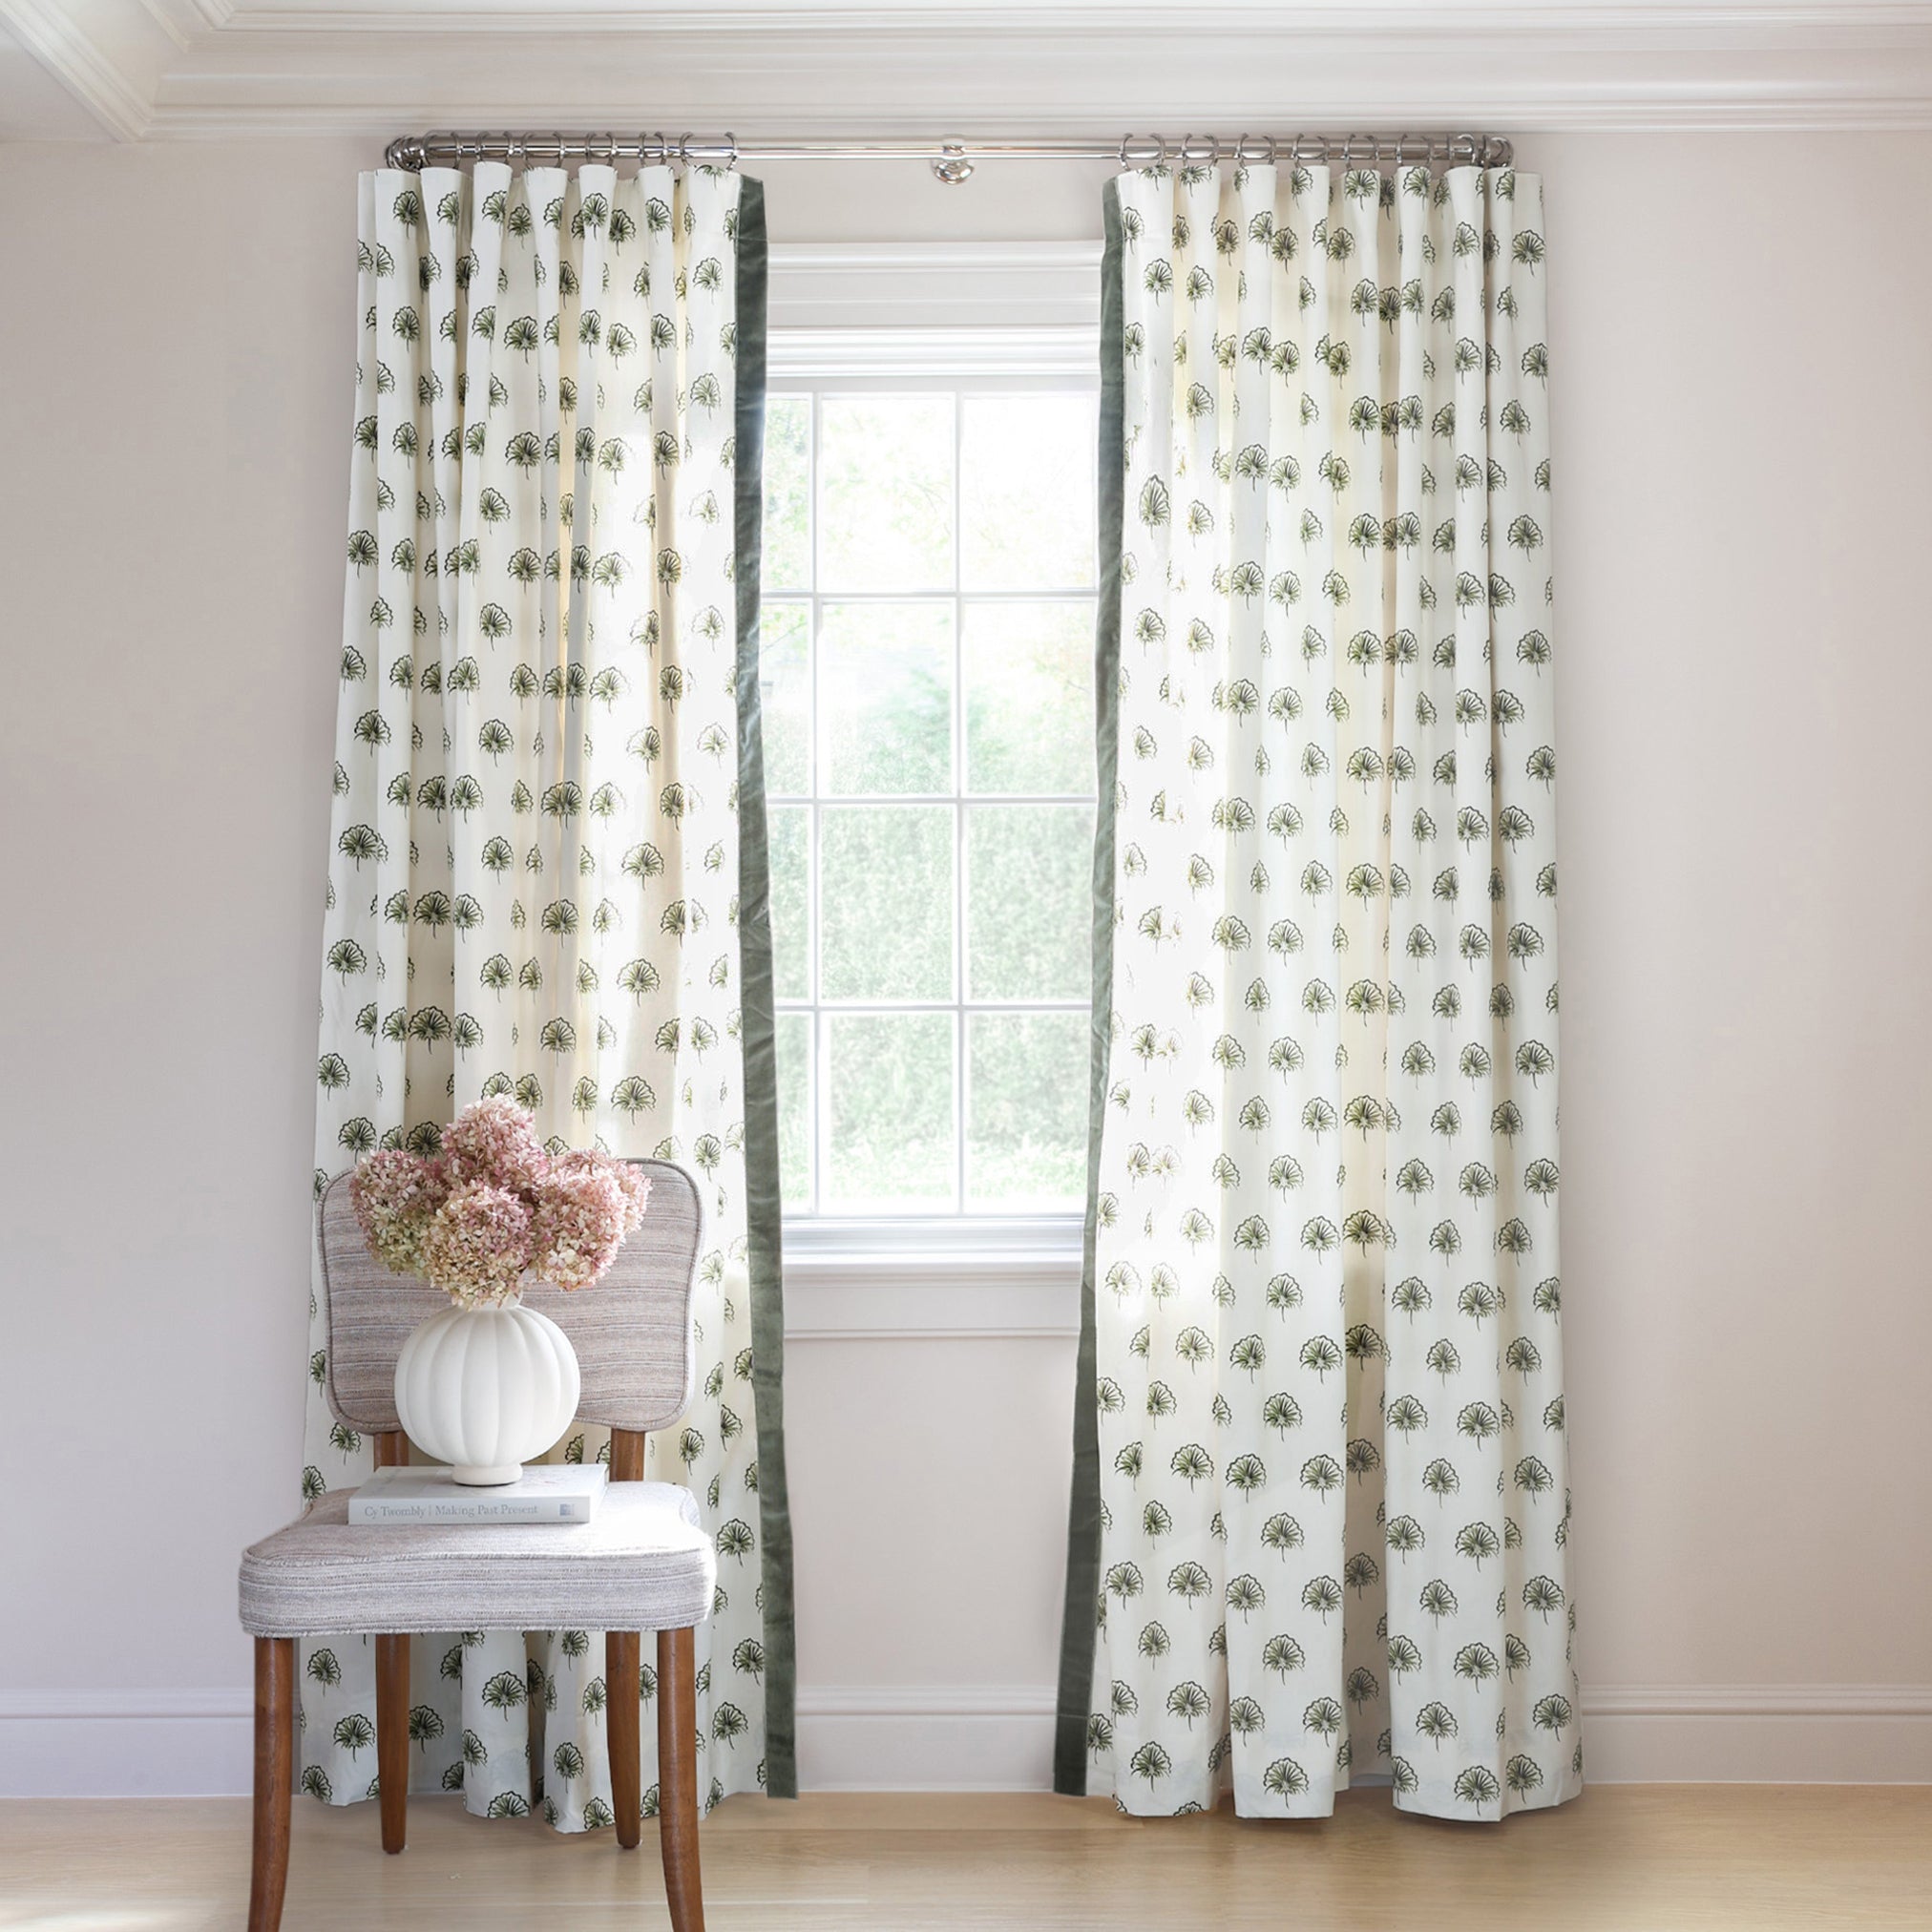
<point x="1077" y="1623"/>
<point x="764" y="1211"/>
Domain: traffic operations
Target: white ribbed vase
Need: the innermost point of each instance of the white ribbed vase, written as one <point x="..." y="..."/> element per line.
<point x="485" y="1389"/>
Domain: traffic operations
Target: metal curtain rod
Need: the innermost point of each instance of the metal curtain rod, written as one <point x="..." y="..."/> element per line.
<point x="951" y="160"/>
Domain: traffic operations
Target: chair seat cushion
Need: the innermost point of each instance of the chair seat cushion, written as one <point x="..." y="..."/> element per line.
<point x="642" y="1563"/>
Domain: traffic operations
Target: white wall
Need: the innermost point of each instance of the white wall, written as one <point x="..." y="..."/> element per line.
<point x="1744" y="389"/>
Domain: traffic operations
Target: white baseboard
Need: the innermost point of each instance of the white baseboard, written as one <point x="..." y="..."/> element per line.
<point x="126" y="1743"/>
<point x="999" y="1737"/>
<point x="925" y="1737"/>
<point x="1758" y="1733"/>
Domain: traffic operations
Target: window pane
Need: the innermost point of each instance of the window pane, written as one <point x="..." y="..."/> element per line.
<point x="793" y="1039"/>
<point x="789" y="831"/>
<point x="885" y="689"/>
<point x="1029" y="901"/>
<point x="785" y="698"/>
<point x="889" y="1079"/>
<point x="886" y="902"/>
<point x="1026" y="483"/>
<point x="1027" y="1132"/>
<point x="891" y="522"/>
<point x="785" y="564"/>
<point x="885" y="493"/>
<point x="1029" y="697"/>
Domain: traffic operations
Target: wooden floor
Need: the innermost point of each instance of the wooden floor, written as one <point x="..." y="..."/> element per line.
<point x="1622" y="1858"/>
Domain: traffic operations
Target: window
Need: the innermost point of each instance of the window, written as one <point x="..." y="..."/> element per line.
<point x="929" y="590"/>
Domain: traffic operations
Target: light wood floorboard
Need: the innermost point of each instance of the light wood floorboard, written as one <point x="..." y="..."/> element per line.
<point x="1622" y="1858"/>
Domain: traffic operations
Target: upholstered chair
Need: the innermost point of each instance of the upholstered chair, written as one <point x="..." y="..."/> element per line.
<point x="642" y="1563"/>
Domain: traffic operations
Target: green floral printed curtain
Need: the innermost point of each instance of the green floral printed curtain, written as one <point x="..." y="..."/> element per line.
<point x="1321" y="1498"/>
<point x="547" y="873"/>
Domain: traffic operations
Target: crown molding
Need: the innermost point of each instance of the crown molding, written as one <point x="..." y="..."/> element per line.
<point x="227" y="69"/>
<point x="120" y="100"/>
<point x="182" y="20"/>
<point x="1659" y="22"/>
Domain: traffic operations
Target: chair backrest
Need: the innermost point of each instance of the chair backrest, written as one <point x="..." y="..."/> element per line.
<point x="632" y="1332"/>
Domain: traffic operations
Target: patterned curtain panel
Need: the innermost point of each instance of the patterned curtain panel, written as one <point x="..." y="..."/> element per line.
<point x="547" y="872"/>
<point x="1321" y="1498"/>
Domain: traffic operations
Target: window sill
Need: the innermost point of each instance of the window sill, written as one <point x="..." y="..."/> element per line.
<point x="885" y="1280"/>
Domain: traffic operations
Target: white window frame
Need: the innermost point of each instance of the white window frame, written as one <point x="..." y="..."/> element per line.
<point x="992" y="316"/>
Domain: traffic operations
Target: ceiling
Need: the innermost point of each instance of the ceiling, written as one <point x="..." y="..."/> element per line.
<point x="159" y="70"/>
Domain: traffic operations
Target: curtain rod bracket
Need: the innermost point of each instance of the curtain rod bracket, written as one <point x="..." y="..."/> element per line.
<point x="950" y="164"/>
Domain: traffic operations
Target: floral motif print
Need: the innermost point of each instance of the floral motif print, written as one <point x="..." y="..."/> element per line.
<point x="535" y="875"/>
<point x="1333" y="1492"/>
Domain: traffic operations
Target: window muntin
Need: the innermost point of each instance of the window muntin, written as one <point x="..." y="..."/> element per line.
<point x="929" y="593"/>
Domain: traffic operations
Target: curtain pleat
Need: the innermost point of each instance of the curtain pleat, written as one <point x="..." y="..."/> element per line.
<point x="548" y="712"/>
<point x="1321" y="1506"/>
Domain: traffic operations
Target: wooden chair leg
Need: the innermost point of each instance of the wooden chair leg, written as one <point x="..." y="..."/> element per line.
<point x="623" y="1722"/>
<point x="678" y="1778"/>
<point x="390" y="1449"/>
<point x="274" y="1778"/>
<point x="623" y="1734"/>
<point x="393" y="1739"/>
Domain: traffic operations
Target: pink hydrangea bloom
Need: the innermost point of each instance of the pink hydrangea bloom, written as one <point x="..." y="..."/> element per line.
<point x="580" y="1225"/>
<point x="495" y="1140"/>
<point x="634" y="1185"/>
<point x="477" y="1244"/>
<point x="637" y="1192"/>
<point x="395" y="1193"/>
<point x="494" y="1205"/>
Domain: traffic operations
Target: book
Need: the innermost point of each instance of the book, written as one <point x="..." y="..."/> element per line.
<point x="546" y="1492"/>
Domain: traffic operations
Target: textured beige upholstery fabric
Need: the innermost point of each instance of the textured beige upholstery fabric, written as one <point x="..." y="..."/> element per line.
<point x="642" y="1563"/>
<point x="632" y="1332"/>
